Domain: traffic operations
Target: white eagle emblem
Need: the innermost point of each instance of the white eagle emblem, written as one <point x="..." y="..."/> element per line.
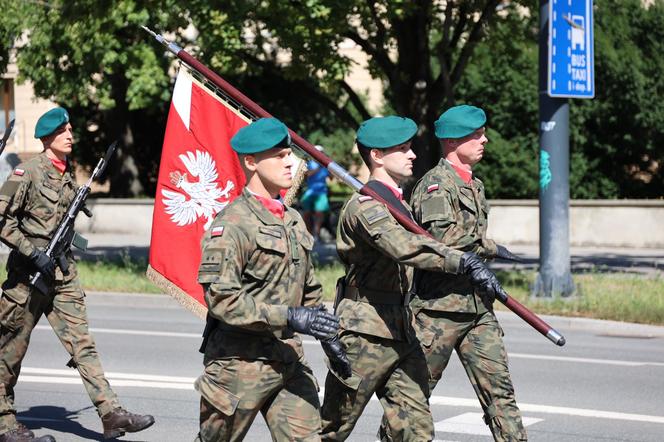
<point x="200" y="198"/>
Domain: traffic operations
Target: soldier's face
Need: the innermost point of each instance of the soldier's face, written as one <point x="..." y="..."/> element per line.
<point x="470" y="149"/>
<point x="398" y="160"/>
<point x="61" y="141"/>
<point x="274" y="167"/>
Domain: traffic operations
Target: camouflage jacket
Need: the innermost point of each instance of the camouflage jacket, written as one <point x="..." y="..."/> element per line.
<point x="456" y="214"/>
<point x="255" y="266"/>
<point x="33" y="201"/>
<point x="379" y="256"/>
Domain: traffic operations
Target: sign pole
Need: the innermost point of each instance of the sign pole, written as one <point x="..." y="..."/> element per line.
<point x="558" y="75"/>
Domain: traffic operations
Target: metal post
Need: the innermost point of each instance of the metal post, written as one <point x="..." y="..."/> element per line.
<point x="554" y="277"/>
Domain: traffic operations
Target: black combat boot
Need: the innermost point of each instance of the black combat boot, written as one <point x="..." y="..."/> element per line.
<point x="120" y="421"/>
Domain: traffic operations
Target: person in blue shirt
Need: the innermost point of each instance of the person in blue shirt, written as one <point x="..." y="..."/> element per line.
<point x="314" y="201"/>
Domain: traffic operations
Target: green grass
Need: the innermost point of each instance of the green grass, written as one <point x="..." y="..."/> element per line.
<point x="615" y="296"/>
<point x="123" y="276"/>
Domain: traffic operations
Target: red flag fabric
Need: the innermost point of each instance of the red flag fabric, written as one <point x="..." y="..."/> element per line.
<point x="199" y="175"/>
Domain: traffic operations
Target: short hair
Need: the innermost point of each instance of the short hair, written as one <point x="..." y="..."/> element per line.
<point x="365" y="153"/>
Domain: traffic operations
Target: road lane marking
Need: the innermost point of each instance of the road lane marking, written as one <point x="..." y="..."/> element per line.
<point x="562" y="358"/>
<point x="109" y="375"/>
<point x="117" y="331"/>
<point x="312" y="342"/>
<point x="473" y="423"/>
<point x="114" y="382"/>
<point x="63" y="376"/>
<point x="585" y="360"/>
<point x="551" y="409"/>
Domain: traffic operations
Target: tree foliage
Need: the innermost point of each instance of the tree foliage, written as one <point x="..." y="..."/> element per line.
<point x="419" y="49"/>
<point x="616" y="140"/>
<point x="92" y="57"/>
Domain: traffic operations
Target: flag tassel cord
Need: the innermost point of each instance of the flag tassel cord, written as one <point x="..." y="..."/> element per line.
<point x="176" y="292"/>
<point x="338" y="171"/>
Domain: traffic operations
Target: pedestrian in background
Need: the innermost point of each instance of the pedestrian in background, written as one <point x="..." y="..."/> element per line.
<point x="315" y="203"/>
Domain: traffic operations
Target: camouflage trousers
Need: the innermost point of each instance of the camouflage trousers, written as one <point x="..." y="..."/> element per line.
<point x="478" y="341"/>
<point x="20" y="310"/>
<point x="396" y="371"/>
<point x="233" y="391"/>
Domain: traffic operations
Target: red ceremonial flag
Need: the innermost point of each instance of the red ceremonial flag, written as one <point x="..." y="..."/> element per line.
<point x="199" y="175"/>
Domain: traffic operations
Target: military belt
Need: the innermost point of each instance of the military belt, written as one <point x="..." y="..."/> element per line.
<point x="373" y="296"/>
<point x="270" y="336"/>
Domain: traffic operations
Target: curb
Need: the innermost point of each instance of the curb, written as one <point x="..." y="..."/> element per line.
<point x="600" y="326"/>
<point x="609" y="328"/>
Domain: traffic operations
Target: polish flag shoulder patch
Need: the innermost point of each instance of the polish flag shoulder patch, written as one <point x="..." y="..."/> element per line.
<point x="432" y="188"/>
<point x="19" y="172"/>
<point x="217" y="231"/>
<point x="364" y="198"/>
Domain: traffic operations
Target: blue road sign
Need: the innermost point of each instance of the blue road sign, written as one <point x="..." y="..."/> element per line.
<point x="571" y="49"/>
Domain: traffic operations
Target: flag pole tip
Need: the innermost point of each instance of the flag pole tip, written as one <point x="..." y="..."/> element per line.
<point x="149" y="31"/>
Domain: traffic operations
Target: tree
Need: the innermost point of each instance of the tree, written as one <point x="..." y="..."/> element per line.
<point x="620" y="131"/>
<point x="10" y="31"/>
<point x="616" y="140"/>
<point x="420" y="49"/>
<point x="93" y="58"/>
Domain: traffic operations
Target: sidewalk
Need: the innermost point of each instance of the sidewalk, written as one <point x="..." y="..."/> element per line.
<point x="638" y="261"/>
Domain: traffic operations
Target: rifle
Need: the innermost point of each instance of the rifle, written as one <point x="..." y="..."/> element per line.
<point x="249" y="107"/>
<point x="65" y="236"/>
<point x="5" y="137"/>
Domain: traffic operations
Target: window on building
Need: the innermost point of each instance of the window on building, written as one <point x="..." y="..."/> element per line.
<point x="7" y="112"/>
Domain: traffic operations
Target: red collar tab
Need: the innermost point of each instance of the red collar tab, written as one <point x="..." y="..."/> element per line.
<point x="466" y="175"/>
<point x="275" y="207"/>
<point x="61" y="165"/>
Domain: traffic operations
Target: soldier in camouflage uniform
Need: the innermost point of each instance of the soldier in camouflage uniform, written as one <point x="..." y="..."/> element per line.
<point x="449" y="314"/>
<point x="260" y="288"/>
<point x="32" y="203"/>
<point x="372" y="302"/>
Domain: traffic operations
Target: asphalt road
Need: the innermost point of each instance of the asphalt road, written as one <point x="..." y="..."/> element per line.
<point x="604" y="385"/>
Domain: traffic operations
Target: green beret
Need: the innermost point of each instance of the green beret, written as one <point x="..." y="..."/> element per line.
<point x="385" y="132"/>
<point x="50" y="121"/>
<point x="259" y="136"/>
<point x="460" y="121"/>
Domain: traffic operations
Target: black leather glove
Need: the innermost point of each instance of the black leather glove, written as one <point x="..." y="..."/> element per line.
<point x="505" y="254"/>
<point x="482" y="279"/>
<point x="43" y="263"/>
<point x="337" y="356"/>
<point x="313" y="321"/>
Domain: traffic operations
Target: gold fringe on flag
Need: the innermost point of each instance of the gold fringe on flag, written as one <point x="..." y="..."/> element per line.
<point x="176" y="292"/>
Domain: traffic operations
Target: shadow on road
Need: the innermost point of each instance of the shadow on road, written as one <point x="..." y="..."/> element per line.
<point x="46" y="418"/>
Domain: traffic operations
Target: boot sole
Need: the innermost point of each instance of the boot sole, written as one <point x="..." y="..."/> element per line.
<point x="119" y="432"/>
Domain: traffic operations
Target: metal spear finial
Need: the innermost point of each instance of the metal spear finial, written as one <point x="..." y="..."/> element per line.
<point x="160" y="38"/>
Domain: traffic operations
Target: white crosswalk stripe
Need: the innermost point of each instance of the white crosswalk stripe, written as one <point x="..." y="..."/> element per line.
<point x="472" y="423"/>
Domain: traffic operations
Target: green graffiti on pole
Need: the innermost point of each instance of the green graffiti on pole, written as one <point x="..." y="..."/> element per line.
<point x="545" y="169"/>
